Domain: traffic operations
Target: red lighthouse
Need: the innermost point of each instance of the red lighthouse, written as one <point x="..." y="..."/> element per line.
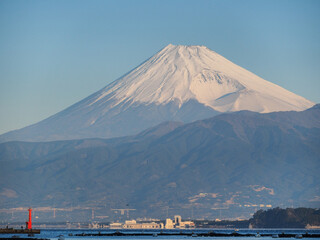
<point x="29" y="223"/>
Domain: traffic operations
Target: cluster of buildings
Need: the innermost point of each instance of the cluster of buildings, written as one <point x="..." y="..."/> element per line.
<point x="169" y="224"/>
<point x="133" y="224"/>
<point x="178" y="223"/>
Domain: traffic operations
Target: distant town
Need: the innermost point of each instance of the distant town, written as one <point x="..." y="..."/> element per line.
<point x="308" y="218"/>
<point x="175" y="223"/>
<point x="169" y="224"/>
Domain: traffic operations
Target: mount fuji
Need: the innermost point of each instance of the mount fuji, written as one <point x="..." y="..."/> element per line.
<point x="179" y="83"/>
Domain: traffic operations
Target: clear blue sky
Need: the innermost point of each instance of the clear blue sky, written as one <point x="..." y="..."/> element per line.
<point x="54" y="53"/>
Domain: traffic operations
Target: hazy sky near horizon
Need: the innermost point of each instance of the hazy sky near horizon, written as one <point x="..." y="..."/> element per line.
<point x="55" y="53"/>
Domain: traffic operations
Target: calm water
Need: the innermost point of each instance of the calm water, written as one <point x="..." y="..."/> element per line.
<point x="54" y="234"/>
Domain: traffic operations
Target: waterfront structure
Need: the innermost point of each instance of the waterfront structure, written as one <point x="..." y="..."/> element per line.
<point x="115" y="225"/>
<point x="132" y="224"/>
<point x="29" y="223"/>
<point x="178" y="223"/>
<point x="27" y="230"/>
<point x="169" y="224"/>
<point x="94" y="225"/>
<point x="186" y="224"/>
<point x="312" y="226"/>
<point x="177" y="220"/>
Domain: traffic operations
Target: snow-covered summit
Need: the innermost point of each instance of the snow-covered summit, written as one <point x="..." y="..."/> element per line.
<point x="181" y="73"/>
<point x="179" y="83"/>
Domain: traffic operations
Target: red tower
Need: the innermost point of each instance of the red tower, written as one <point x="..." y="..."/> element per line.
<point x="29" y="223"/>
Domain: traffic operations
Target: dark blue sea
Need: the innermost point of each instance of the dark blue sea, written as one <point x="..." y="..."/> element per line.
<point x="60" y="234"/>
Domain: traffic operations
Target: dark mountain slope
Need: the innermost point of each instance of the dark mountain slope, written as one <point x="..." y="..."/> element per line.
<point x="228" y="161"/>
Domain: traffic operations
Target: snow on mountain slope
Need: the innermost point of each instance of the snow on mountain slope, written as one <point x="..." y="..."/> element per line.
<point x="179" y="83"/>
<point x="181" y="73"/>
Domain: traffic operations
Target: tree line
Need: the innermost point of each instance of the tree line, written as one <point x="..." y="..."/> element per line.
<point x="286" y="218"/>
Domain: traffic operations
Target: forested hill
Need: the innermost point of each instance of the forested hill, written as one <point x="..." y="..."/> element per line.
<point x="286" y="218"/>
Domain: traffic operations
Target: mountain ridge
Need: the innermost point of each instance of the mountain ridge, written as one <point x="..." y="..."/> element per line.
<point x="226" y="161"/>
<point x="179" y="83"/>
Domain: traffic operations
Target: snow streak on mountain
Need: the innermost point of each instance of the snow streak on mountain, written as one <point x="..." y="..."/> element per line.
<point x="181" y="83"/>
<point x="182" y="73"/>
